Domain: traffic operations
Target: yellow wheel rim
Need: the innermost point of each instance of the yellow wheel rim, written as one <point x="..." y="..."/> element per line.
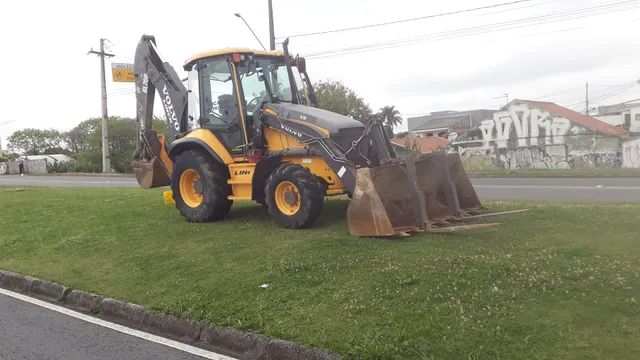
<point x="191" y="188"/>
<point x="287" y="198"/>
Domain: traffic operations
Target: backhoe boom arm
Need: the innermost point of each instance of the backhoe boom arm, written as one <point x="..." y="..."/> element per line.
<point x="152" y="73"/>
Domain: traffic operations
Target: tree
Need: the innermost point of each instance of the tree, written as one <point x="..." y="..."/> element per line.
<point x="35" y="141"/>
<point x="336" y="97"/>
<point x="391" y="116"/>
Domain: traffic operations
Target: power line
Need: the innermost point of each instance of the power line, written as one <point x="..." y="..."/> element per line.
<point x="608" y="94"/>
<point x="407" y="20"/>
<point x="469" y="31"/>
<point x="558" y="93"/>
<point x="487" y="28"/>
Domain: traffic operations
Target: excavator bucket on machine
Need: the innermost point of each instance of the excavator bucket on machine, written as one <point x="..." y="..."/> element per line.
<point x="152" y="165"/>
<point x="412" y="194"/>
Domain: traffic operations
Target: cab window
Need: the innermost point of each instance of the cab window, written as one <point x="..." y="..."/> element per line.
<point x="220" y="111"/>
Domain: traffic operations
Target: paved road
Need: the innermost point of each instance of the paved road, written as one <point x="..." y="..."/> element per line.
<point x="29" y="331"/>
<point x="559" y="189"/>
<point x="68" y="181"/>
<point x="555" y="189"/>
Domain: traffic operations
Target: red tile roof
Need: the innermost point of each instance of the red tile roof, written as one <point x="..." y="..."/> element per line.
<point x="590" y="122"/>
<point x="427" y="144"/>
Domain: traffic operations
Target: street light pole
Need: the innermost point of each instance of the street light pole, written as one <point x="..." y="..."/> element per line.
<point x="250" y="29"/>
<point x="272" y="37"/>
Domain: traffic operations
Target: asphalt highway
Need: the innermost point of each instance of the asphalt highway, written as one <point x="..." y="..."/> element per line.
<point x="29" y="331"/>
<point x="547" y="189"/>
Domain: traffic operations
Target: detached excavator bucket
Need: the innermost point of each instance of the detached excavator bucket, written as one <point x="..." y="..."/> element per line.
<point x="411" y="194"/>
<point x="152" y="164"/>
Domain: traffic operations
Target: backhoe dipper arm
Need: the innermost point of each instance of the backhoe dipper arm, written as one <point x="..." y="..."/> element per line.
<point x="152" y="73"/>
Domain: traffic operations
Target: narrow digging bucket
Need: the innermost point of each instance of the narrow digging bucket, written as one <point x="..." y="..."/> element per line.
<point x="150" y="173"/>
<point x="148" y="165"/>
<point x="410" y="195"/>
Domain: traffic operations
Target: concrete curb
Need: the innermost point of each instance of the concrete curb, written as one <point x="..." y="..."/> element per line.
<point x="232" y="342"/>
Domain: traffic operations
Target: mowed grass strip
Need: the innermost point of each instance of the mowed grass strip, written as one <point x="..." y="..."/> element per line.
<point x="560" y="282"/>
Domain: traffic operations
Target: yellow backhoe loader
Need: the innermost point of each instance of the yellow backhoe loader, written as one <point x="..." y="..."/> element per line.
<point x="246" y="127"/>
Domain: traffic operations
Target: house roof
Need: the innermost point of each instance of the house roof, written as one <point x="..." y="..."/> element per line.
<point x="448" y="118"/>
<point x="589" y="122"/>
<point x="616" y="109"/>
<point x="442" y="122"/>
<point x="427" y="144"/>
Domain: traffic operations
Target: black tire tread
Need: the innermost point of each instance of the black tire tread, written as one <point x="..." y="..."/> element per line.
<point x="214" y="177"/>
<point x="312" y="192"/>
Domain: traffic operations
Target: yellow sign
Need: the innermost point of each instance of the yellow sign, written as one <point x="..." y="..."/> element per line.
<point x="121" y="72"/>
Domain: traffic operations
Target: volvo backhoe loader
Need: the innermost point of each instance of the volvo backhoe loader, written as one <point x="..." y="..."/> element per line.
<point x="246" y="127"/>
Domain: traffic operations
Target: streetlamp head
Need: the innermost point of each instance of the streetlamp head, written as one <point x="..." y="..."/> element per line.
<point x="238" y="15"/>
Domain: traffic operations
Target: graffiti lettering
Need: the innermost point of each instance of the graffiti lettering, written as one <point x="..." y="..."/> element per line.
<point x="526" y="124"/>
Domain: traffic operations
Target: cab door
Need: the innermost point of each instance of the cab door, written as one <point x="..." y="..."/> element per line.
<point x="220" y="110"/>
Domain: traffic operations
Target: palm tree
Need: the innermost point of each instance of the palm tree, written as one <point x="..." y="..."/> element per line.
<point x="391" y="117"/>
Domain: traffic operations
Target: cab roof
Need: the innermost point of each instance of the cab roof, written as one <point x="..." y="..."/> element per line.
<point x="228" y="51"/>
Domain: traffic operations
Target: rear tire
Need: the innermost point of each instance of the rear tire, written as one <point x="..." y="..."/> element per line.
<point x="294" y="196"/>
<point x="200" y="189"/>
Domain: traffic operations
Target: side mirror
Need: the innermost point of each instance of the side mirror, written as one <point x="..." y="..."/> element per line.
<point x="301" y="64"/>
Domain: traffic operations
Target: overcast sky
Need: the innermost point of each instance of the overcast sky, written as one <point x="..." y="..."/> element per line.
<point x="49" y="81"/>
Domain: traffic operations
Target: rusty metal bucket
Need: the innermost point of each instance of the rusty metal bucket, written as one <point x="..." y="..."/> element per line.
<point x="152" y="165"/>
<point x="411" y="194"/>
<point x="150" y="173"/>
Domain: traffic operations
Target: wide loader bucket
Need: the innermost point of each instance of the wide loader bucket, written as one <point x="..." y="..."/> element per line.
<point x="411" y="194"/>
<point x="150" y="173"/>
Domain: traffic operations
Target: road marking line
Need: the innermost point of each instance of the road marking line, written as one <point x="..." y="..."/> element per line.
<point x="120" y="328"/>
<point x="605" y="187"/>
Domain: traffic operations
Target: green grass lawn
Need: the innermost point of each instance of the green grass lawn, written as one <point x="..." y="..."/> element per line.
<point x="560" y="282"/>
<point x="585" y="173"/>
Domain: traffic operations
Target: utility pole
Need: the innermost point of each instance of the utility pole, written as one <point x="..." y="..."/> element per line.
<point x="587" y="99"/>
<point x="106" y="160"/>
<point x="272" y="37"/>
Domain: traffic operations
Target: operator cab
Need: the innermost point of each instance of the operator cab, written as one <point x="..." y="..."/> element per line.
<point x="228" y="88"/>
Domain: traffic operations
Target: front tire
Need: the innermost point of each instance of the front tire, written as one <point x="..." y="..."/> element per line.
<point x="294" y="196"/>
<point x="200" y="188"/>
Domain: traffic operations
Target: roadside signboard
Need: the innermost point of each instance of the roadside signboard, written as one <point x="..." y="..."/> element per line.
<point x="122" y="72"/>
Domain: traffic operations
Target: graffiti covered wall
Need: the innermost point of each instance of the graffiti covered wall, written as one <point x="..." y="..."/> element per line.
<point x="521" y="136"/>
<point x="631" y="154"/>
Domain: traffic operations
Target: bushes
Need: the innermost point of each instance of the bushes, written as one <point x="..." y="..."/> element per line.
<point x="75" y="167"/>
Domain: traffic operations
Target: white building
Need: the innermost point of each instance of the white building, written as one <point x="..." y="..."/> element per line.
<point x="625" y="115"/>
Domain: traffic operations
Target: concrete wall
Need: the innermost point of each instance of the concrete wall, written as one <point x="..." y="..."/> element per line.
<point x="3" y="168"/>
<point x="631" y="154"/>
<point x="523" y="137"/>
<point x="34" y="167"/>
